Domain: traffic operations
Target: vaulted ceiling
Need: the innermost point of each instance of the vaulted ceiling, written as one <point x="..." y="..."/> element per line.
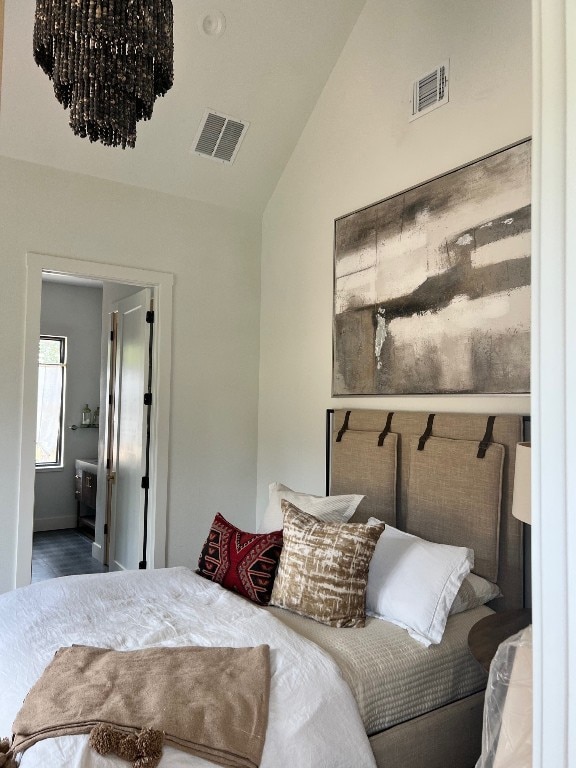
<point x="268" y="67"/>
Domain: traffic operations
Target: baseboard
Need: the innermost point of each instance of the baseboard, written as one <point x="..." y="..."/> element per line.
<point x="54" y="523"/>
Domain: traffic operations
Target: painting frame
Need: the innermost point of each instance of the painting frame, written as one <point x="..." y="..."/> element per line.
<point x="431" y="285"/>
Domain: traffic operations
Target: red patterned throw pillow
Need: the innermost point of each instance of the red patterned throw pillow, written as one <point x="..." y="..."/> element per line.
<point x="242" y="562"/>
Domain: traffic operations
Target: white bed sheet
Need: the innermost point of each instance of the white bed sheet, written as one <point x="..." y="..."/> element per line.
<point x="313" y="720"/>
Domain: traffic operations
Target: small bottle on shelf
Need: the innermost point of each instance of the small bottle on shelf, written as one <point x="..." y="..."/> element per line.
<point x="96" y="417"/>
<point x="86" y="416"/>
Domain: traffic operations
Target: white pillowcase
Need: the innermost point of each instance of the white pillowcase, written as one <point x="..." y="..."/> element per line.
<point x="330" y="509"/>
<point x="413" y="582"/>
<point x="474" y="591"/>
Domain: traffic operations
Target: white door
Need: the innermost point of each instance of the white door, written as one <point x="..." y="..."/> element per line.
<point x="128" y="465"/>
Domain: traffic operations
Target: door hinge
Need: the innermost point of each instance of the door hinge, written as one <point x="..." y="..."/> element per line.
<point x="148" y="398"/>
<point x="105" y="529"/>
<point x="150" y="316"/>
<point x="145" y="482"/>
<point x="111" y="335"/>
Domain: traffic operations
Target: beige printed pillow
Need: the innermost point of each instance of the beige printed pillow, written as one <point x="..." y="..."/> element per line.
<point x="323" y="568"/>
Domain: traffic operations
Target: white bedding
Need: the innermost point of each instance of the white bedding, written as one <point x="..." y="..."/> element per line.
<point x="314" y="720"/>
<point x="392" y="676"/>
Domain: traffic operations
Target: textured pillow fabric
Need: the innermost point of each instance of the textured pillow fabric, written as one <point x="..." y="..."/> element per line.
<point x="360" y="464"/>
<point x="324" y="567"/>
<point x="242" y="562"/>
<point x="453" y="497"/>
<point x="413" y="582"/>
<point x="331" y="509"/>
<point x="473" y="592"/>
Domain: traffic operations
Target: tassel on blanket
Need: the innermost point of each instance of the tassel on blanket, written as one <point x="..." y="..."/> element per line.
<point x="143" y="749"/>
<point x="6" y="757"/>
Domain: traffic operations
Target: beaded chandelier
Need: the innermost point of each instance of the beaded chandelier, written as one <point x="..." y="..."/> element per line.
<point x="108" y="60"/>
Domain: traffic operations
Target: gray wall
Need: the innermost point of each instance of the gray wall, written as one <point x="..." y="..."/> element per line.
<point x="74" y="312"/>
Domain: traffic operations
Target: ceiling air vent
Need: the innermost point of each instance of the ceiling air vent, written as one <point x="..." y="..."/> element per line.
<point x="219" y="136"/>
<point x="430" y="91"/>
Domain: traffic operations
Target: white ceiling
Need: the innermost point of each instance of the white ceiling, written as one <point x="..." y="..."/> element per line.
<point x="268" y="68"/>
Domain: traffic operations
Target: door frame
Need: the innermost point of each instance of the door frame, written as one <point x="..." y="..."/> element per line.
<point x="161" y="283"/>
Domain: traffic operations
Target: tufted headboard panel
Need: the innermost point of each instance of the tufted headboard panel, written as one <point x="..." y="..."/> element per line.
<point x="446" y="477"/>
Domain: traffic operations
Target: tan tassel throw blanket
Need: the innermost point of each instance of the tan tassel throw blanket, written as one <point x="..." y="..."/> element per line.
<point x="210" y="702"/>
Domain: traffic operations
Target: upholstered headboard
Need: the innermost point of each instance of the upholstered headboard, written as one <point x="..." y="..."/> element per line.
<point x="445" y="477"/>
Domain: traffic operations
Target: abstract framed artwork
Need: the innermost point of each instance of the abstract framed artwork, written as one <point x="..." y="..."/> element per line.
<point x="432" y="285"/>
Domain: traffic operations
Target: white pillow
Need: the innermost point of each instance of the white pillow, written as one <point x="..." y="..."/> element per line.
<point x="330" y="509"/>
<point x="474" y="591"/>
<point x="413" y="582"/>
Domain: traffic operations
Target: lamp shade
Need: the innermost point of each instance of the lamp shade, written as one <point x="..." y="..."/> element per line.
<point x="521" y="501"/>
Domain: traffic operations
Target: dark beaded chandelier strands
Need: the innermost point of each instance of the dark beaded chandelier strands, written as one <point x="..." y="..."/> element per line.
<point x="108" y="61"/>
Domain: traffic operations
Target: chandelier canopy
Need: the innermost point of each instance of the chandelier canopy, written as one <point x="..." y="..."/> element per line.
<point x="108" y="61"/>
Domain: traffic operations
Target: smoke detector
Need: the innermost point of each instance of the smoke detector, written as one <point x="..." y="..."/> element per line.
<point x="213" y="24"/>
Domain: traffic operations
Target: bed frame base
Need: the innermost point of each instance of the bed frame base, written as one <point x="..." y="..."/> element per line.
<point x="449" y="736"/>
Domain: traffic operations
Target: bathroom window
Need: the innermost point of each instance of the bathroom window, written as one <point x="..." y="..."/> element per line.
<point x="51" y="389"/>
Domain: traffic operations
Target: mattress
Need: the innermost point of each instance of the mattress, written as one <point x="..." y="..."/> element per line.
<point x="393" y="677"/>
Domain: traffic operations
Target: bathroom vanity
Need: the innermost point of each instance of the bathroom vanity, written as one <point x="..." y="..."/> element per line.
<point x="86" y="482"/>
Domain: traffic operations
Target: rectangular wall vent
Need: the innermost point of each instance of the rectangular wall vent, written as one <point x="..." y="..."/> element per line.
<point x="219" y="136"/>
<point x="430" y="91"/>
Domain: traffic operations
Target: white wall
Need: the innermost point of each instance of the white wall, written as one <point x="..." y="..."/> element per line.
<point x="214" y="256"/>
<point x="358" y="148"/>
<point x="74" y="312"/>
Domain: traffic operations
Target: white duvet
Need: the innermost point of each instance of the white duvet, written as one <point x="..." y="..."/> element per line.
<point x="313" y="719"/>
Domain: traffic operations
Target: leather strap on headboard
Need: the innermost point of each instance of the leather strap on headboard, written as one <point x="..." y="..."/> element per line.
<point x="344" y="427"/>
<point x="427" y="432"/>
<point x="386" y="430"/>
<point x="487" y="439"/>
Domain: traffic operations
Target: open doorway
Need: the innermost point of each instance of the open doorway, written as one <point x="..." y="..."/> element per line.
<point x="68" y="425"/>
<point x="116" y="282"/>
<point x="96" y="347"/>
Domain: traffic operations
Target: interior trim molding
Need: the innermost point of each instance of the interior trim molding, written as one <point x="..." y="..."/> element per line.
<point x="554" y="384"/>
<point x="162" y="283"/>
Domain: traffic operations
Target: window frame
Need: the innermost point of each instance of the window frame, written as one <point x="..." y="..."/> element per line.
<point x="59" y="463"/>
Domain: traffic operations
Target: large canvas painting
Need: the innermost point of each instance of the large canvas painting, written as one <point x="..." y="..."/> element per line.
<point x="432" y="286"/>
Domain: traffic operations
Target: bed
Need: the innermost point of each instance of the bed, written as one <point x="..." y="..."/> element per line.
<point x="376" y="453"/>
<point x="338" y="697"/>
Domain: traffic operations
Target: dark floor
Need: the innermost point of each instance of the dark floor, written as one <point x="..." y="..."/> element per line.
<point x="62" y="553"/>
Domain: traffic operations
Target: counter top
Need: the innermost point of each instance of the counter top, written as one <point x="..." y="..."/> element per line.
<point x="88" y="465"/>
